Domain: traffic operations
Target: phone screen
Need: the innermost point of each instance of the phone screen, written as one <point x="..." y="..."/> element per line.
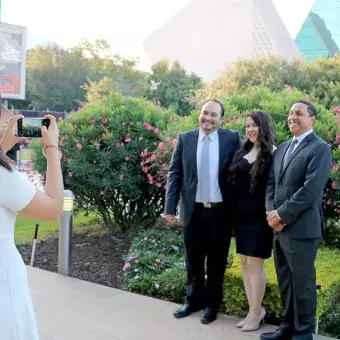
<point x="31" y="127"/>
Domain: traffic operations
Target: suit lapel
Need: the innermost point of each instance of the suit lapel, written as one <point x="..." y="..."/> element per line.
<point x="301" y="145"/>
<point x="222" y="149"/>
<point x="193" y="146"/>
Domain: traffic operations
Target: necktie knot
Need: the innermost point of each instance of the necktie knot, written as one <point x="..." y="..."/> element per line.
<point x="206" y="138"/>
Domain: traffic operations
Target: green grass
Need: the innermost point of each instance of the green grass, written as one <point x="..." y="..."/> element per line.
<point x="24" y="229"/>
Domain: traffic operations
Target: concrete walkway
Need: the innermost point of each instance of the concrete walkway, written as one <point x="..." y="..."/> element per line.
<point x="71" y="309"/>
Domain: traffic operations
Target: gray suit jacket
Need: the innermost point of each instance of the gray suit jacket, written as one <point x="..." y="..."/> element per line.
<point x="182" y="178"/>
<point x="296" y="191"/>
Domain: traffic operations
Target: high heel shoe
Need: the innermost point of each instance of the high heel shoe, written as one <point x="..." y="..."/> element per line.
<point x="241" y="323"/>
<point x="254" y="320"/>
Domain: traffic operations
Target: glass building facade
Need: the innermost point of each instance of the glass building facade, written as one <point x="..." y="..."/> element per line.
<point x="319" y="36"/>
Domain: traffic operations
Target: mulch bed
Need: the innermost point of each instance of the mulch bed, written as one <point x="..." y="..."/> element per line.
<point x="96" y="257"/>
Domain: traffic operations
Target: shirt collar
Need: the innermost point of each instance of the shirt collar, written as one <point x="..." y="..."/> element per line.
<point x="212" y="135"/>
<point x="303" y="136"/>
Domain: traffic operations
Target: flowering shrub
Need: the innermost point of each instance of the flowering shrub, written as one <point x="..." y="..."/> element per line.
<point x="277" y="104"/>
<point x="155" y="256"/>
<point x="102" y="145"/>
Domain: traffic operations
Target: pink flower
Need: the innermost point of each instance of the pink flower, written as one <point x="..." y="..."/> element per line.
<point x="127" y="158"/>
<point x="131" y="123"/>
<point x="102" y="192"/>
<point x="121" y="176"/>
<point x="161" y="145"/>
<point x="126" y="266"/>
<point x="145" y="169"/>
<point x="60" y="118"/>
<point x="159" y="185"/>
<point x="156" y="131"/>
<point x="150" y="178"/>
<point x="329" y="202"/>
<point x="70" y="174"/>
<point x="79" y="146"/>
<point x="140" y="138"/>
<point x="118" y="145"/>
<point x="171" y="239"/>
<point x="98" y="146"/>
<point x="334" y="186"/>
<point x="106" y="130"/>
<point x="157" y="285"/>
<point x="167" y="139"/>
<point x="75" y="127"/>
<point x="92" y="121"/>
<point x="148" y="126"/>
<point x="174" y="142"/>
<point x="128" y="140"/>
<point x="73" y="119"/>
<point x="144" y="153"/>
<point x="104" y="120"/>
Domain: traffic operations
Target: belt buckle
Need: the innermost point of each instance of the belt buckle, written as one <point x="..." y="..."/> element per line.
<point x="207" y="205"/>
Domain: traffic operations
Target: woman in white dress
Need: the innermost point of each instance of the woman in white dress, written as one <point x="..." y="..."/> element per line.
<point x="18" y="194"/>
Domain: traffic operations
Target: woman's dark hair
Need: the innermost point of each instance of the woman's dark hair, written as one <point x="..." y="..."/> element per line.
<point x="261" y="167"/>
<point x="5" y="161"/>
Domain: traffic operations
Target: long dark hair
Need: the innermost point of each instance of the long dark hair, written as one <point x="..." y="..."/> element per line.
<point x="5" y="161"/>
<point x="261" y="167"/>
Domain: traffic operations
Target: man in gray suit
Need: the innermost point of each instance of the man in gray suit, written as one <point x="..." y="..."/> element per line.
<point x="198" y="173"/>
<point x="299" y="174"/>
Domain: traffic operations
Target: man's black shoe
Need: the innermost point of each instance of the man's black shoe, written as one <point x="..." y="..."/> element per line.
<point x="209" y="315"/>
<point x="284" y="332"/>
<point x="185" y="311"/>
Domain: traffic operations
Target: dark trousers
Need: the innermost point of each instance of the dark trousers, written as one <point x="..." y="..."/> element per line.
<point x="294" y="262"/>
<point x="207" y="236"/>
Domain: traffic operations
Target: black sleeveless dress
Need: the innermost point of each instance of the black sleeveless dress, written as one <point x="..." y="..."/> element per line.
<point x="254" y="237"/>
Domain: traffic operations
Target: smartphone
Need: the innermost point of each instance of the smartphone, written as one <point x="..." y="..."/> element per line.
<point x="31" y="127"/>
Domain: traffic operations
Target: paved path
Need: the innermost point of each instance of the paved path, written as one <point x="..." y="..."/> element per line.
<point x="71" y="309"/>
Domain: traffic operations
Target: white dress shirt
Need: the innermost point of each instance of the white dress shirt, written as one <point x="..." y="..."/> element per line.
<point x="214" y="158"/>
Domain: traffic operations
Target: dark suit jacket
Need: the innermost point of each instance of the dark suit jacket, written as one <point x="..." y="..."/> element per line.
<point x="183" y="179"/>
<point x="296" y="191"/>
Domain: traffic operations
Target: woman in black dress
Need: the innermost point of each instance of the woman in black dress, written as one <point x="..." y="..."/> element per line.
<point x="249" y="173"/>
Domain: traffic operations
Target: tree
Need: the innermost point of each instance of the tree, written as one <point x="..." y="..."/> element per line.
<point x="121" y="73"/>
<point x="55" y="76"/>
<point x="173" y="87"/>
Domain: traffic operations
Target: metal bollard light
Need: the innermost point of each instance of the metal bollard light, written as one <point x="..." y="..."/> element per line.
<point x="65" y="235"/>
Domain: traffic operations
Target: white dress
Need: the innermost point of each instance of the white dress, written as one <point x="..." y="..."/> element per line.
<point x="17" y="318"/>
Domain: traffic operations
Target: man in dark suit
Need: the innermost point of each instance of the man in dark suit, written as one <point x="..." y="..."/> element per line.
<point x="299" y="174"/>
<point x="198" y="173"/>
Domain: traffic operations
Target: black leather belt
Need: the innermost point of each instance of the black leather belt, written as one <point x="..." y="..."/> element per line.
<point x="209" y="204"/>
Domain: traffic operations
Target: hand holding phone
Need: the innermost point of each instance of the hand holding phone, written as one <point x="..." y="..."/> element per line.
<point x="31" y="127"/>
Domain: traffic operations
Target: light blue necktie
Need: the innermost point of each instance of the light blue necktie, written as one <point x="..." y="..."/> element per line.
<point x="205" y="176"/>
<point x="289" y="152"/>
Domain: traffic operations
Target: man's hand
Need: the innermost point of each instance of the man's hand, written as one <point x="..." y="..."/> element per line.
<point x="273" y="218"/>
<point x="278" y="227"/>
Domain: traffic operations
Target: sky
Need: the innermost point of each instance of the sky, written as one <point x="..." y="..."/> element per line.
<point x="125" y="24"/>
